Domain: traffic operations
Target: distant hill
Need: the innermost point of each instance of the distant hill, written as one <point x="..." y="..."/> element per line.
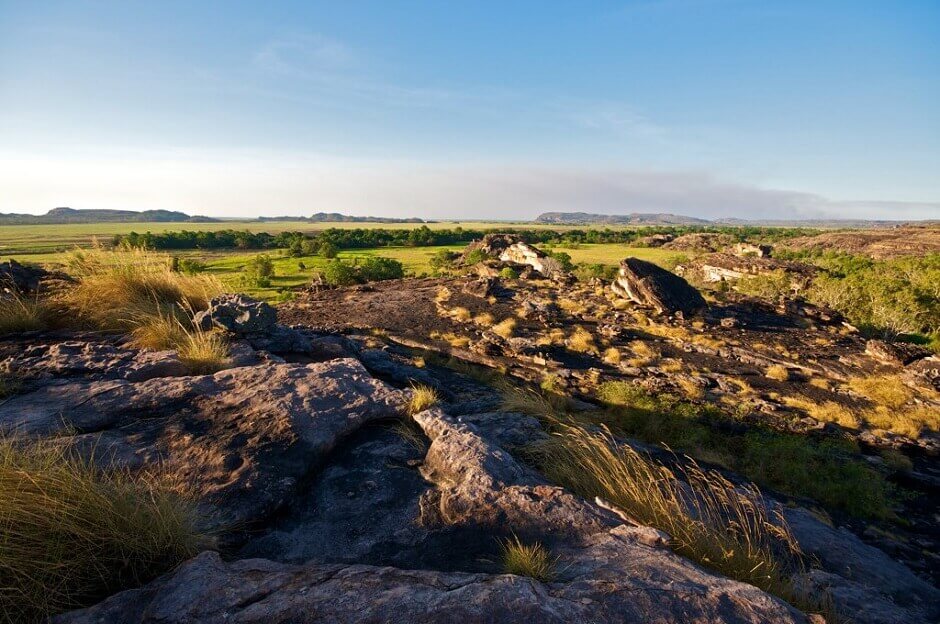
<point x="634" y="218"/>
<point x="335" y="217"/>
<point x="72" y="215"/>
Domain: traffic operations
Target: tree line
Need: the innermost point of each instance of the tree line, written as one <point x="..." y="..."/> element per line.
<point x="300" y="243"/>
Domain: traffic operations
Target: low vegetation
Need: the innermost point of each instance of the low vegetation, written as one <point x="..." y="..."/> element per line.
<point x="73" y="533"/>
<point x="422" y="398"/>
<point x="203" y="352"/>
<point x="829" y="472"/>
<point x="712" y="521"/>
<point x="121" y="291"/>
<point x="532" y="560"/>
<point x="20" y="313"/>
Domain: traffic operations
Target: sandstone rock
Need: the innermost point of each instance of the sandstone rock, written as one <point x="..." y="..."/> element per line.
<point x="78" y="358"/>
<point x="242" y="438"/>
<point x="647" y="284"/>
<point x="749" y="249"/>
<point x="608" y="571"/>
<point x="726" y="267"/>
<point x="900" y="353"/>
<point x="862" y="574"/>
<point x="603" y="587"/>
<point x="253" y="320"/>
<point x="509" y="248"/>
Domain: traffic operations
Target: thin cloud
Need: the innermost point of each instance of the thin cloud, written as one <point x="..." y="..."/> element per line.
<point x="272" y="183"/>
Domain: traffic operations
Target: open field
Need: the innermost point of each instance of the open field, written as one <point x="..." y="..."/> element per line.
<point x="42" y="239"/>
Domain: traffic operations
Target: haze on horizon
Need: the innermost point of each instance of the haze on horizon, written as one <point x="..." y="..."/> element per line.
<point x="707" y="108"/>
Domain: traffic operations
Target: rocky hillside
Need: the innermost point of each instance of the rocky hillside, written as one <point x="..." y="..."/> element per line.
<point x="378" y="454"/>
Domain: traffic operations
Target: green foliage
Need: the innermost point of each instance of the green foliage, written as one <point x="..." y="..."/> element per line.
<point x="327" y="250"/>
<point x="829" y="472"/>
<point x="475" y="256"/>
<point x="898" y="296"/>
<point x="338" y="273"/>
<point x="376" y="268"/>
<point x="259" y="271"/>
<point x="563" y="259"/>
<point x="443" y="259"/>
<point x="190" y="266"/>
<point x="771" y="286"/>
<point x="508" y="273"/>
<point x="585" y="272"/>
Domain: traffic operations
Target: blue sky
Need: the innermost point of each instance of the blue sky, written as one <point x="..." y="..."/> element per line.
<point x="712" y="108"/>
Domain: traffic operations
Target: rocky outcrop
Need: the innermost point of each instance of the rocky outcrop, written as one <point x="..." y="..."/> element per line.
<point x="20" y="278"/>
<point x="899" y="353"/>
<point x="726" y="267"/>
<point x="254" y="321"/>
<point x="512" y="250"/>
<point x="242" y="439"/>
<point x="647" y="284"/>
<point x="608" y="571"/>
<point x="749" y="249"/>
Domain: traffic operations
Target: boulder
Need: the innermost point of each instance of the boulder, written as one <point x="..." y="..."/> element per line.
<point x="254" y="321"/>
<point x="512" y="250"/>
<point x="647" y="284"/>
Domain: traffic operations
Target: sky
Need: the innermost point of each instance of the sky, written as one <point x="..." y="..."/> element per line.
<point x="473" y="110"/>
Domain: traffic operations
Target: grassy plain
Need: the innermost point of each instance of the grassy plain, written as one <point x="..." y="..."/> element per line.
<point x="44" y="239"/>
<point x="49" y="245"/>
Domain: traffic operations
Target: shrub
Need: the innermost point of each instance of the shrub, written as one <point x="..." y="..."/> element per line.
<point x="509" y="273"/>
<point x="563" y="260"/>
<point x="771" y="286"/>
<point x="73" y="533"/>
<point x="376" y="269"/>
<point x="475" y="256"/>
<point x="259" y="271"/>
<point x="586" y="272"/>
<point x="338" y="273"/>
<point x="532" y="560"/>
<point x="191" y="266"/>
<point x="327" y="250"/>
<point x="443" y="260"/>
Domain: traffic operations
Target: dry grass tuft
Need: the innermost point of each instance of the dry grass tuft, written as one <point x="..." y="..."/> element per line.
<point x="612" y="355"/>
<point x="555" y="336"/>
<point x="122" y="290"/>
<point x="778" y="372"/>
<point x="73" y="533"/>
<point x="582" y="341"/>
<point x="21" y="314"/>
<point x="827" y="411"/>
<point x="484" y="319"/>
<point x="460" y="314"/>
<point x="532" y="560"/>
<point x="505" y="328"/>
<point x="203" y="352"/>
<point x="422" y="398"/>
<point x="887" y="390"/>
<point x="709" y="519"/>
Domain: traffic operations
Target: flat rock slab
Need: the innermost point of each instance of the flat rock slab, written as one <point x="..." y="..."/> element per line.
<point x="242" y="438"/>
